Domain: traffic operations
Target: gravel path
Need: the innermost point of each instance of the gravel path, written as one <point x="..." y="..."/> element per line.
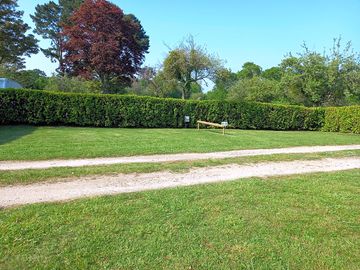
<point x="23" y="165"/>
<point x="107" y="185"/>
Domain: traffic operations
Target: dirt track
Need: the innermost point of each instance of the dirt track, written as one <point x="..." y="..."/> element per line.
<point x="22" y="165"/>
<point x="107" y="185"/>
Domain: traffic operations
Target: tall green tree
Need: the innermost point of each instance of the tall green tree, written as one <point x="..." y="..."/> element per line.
<point x="255" y="89"/>
<point x="161" y="86"/>
<point x="190" y="63"/>
<point x="14" y="42"/>
<point x="273" y="73"/>
<point x="151" y="82"/>
<point x="328" y="79"/>
<point x="249" y="71"/>
<point x="68" y="7"/>
<point x="224" y="80"/>
<point x="49" y="19"/>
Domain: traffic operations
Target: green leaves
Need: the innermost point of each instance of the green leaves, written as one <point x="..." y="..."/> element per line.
<point x="49" y="19"/>
<point x="328" y="79"/>
<point x="190" y="63"/>
<point x="14" y="42"/>
<point x="54" y="108"/>
<point x="344" y="119"/>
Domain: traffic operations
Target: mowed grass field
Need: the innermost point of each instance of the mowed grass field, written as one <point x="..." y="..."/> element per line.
<point x="41" y="143"/>
<point x="295" y="222"/>
<point x="298" y="222"/>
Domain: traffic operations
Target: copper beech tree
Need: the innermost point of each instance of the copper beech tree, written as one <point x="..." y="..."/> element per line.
<point x="103" y="43"/>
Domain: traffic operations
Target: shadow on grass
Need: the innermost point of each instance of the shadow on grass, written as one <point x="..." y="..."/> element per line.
<point x="12" y="133"/>
<point x="217" y="131"/>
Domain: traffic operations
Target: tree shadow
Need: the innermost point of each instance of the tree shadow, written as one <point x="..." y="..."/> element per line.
<point x="12" y="133"/>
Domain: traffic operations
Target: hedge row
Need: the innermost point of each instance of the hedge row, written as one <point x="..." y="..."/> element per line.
<point x="51" y="108"/>
<point x="343" y="119"/>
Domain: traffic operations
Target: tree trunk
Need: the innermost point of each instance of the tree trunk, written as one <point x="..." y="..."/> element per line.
<point x="186" y="90"/>
<point x="105" y="84"/>
<point x="183" y="93"/>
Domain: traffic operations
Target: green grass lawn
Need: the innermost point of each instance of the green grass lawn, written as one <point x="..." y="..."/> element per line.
<point x="40" y="143"/>
<point x="298" y="222"/>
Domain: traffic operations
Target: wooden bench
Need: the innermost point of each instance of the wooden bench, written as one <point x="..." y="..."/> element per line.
<point x="211" y="124"/>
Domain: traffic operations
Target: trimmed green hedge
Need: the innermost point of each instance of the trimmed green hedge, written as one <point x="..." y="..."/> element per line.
<point x="343" y="119"/>
<point x="18" y="106"/>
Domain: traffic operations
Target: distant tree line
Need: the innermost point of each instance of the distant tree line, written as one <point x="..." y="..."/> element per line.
<point x="310" y="78"/>
<point x="100" y="49"/>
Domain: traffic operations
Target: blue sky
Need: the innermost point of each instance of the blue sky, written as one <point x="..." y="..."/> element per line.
<point x="237" y="31"/>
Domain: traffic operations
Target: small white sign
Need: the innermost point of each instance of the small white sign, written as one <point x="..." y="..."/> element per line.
<point x="224" y="124"/>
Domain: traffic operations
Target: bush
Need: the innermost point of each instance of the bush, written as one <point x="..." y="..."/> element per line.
<point x="54" y="108"/>
<point x="72" y="84"/>
<point x="343" y="119"/>
<point x="254" y="89"/>
<point x="30" y="79"/>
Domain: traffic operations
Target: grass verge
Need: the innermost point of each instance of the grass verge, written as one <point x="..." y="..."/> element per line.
<point x="297" y="222"/>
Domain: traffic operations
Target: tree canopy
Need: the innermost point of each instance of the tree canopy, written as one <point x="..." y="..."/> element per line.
<point x="249" y="70"/>
<point x="104" y="43"/>
<point x="190" y="63"/>
<point x="14" y="42"/>
<point x="49" y="19"/>
<point x="254" y="89"/>
<point x="328" y="79"/>
<point x="310" y="78"/>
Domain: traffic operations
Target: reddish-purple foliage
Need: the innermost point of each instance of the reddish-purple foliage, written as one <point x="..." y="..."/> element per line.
<point x="103" y="42"/>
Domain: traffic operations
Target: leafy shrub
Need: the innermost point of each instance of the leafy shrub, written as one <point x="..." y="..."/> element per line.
<point x="30" y="79"/>
<point x="72" y="84"/>
<point x="343" y="119"/>
<point x="55" y="108"/>
<point x="254" y="89"/>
